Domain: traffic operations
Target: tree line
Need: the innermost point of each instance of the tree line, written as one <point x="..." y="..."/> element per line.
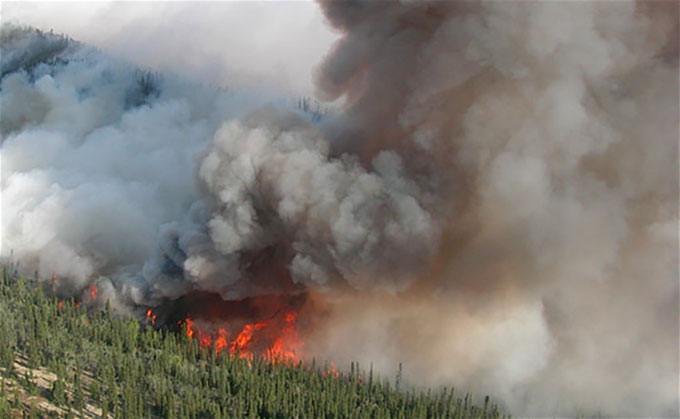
<point x="129" y="370"/>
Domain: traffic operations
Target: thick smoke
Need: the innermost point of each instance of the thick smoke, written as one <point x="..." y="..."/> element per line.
<point x="98" y="159"/>
<point x="496" y="207"/>
<point x="241" y="42"/>
<point x="548" y="132"/>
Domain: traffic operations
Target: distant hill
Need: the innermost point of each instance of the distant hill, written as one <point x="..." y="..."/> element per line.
<point x="38" y="53"/>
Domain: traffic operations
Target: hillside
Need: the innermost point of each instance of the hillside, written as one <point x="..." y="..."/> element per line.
<point x="479" y="195"/>
<point x="59" y="360"/>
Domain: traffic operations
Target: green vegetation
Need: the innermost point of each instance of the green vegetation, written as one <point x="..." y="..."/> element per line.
<point x="68" y="362"/>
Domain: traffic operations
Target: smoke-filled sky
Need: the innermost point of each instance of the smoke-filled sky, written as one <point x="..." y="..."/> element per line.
<point x="271" y="44"/>
<point x="495" y="205"/>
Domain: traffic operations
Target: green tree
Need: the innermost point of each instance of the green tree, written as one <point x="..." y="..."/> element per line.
<point x="58" y="392"/>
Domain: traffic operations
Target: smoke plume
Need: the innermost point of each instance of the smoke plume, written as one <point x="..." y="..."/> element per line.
<point x="495" y="206"/>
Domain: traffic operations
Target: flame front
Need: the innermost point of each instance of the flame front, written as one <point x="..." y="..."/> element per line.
<point x="274" y="339"/>
<point x="285" y="345"/>
<point x="221" y="342"/>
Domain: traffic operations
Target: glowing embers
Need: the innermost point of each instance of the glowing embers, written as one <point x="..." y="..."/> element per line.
<point x="275" y="339"/>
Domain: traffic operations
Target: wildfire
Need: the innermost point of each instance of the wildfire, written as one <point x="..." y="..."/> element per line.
<point x="222" y="340"/>
<point x="152" y="317"/>
<point x="332" y="371"/>
<point x="284" y="346"/>
<point x="241" y="345"/>
<point x="189" y="327"/>
<point x="93" y="292"/>
<point x="275" y="339"/>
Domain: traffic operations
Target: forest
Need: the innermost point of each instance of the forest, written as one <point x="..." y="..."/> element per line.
<point x="61" y="359"/>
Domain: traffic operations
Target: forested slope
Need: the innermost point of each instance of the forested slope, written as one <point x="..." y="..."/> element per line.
<point x="59" y="360"/>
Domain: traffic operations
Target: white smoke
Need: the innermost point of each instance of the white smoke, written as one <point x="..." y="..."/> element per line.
<point x="496" y="207"/>
<point x="97" y="156"/>
<point x="265" y="45"/>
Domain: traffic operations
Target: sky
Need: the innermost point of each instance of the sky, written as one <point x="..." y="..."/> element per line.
<point x="274" y="45"/>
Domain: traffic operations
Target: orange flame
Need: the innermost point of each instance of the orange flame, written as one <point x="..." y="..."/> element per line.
<point x="240" y="345"/>
<point x="204" y="339"/>
<point x="283" y="348"/>
<point x="189" y="327"/>
<point x="151" y="316"/>
<point x="221" y="342"/>
<point x="93" y="292"/>
<point x="274" y="341"/>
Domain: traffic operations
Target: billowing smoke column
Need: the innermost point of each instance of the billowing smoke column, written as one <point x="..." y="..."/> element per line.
<point x="496" y="207"/>
<point x="547" y="133"/>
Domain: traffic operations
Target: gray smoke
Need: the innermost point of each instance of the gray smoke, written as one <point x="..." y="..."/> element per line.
<point x="550" y="130"/>
<point x="496" y="206"/>
<point x="98" y="160"/>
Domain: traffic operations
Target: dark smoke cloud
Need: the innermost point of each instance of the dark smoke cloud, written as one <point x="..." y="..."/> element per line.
<point x="495" y="206"/>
